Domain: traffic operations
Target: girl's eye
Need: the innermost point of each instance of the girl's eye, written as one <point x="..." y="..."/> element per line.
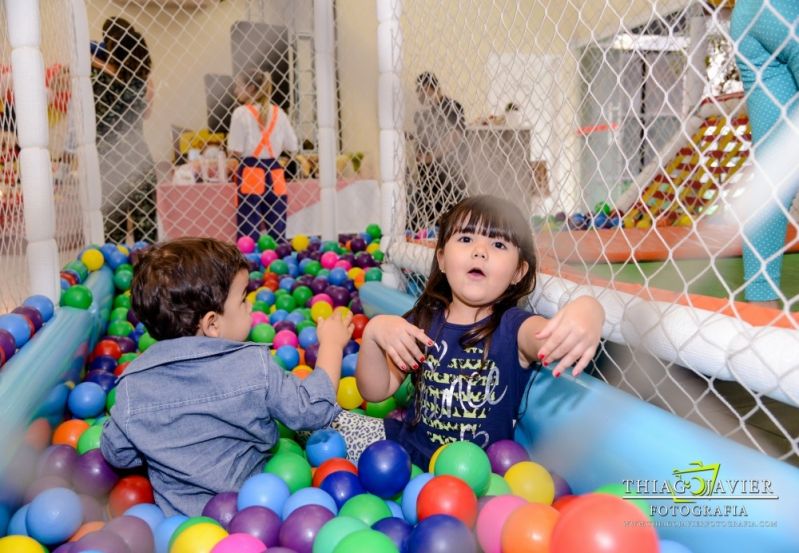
<point x="465" y="239"/>
<point x="500" y="245"/>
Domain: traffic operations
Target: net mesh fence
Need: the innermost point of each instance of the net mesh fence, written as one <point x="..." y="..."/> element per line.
<point x="625" y="132"/>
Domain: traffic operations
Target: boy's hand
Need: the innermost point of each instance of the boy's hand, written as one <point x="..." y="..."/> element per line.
<point x="336" y="330"/>
<point x="399" y="339"/>
<point x="572" y="335"/>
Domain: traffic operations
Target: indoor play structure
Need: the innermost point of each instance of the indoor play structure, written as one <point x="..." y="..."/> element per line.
<point x="689" y="377"/>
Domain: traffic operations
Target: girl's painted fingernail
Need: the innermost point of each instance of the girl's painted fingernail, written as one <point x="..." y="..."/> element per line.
<point x="556" y="375"/>
<point x="541" y="356"/>
<point x="416" y="365"/>
<point x="403" y="367"/>
<point x="545" y="363"/>
<point x="421" y="359"/>
<point x="430" y="342"/>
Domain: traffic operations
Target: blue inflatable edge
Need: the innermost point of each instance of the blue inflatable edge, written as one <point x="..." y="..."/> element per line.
<point x="55" y="354"/>
<point x="593" y="434"/>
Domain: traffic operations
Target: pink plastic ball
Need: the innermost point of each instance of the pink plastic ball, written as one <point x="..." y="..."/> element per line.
<point x="492" y="518"/>
<point x="321" y="297"/>
<point x="267" y="257"/>
<point x="239" y="543"/>
<point x="344" y="264"/>
<point x="328" y="260"/>
<point x="258" y="317"/>
<point x="285" y="338"/>
<point x="245" y="244"/>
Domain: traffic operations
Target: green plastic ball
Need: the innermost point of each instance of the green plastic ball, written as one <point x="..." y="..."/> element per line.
<point x="468" y="462"/>
<point x="262" y="333"/>
<point x="124" y="267"/>
<point x="119" y="328"/>
<point x="404" y="392"/>
<point x="261" y="306"/>
<point x="312" y="268"/>
<point x="78" y="296"/>
<point x="293" y="469"/>
<point x="301" y="295"/>
<point x="145" y="341"/>
<point x="415" y="471"/>
<point x="122" y="280"/>
<point x="280" y="292"/>
<point x="335" y="530"/>
<point x="374" y="275"/>
<point x="304" y="324"/>
<point x="328" y="246"/>
<point x="382" y="408"/>
<point x="90" y="439"/>
<point x="366" y="507"/>
<point x="378" y="256"/>
<point x="78" y="267"/>
<point x="497" y="486"/>
<point x="110" y="399"/>
<point x="128" y="357"/>
<point x="122" y="300"/>
<point x="323" y="273"/>
<point x="374" y="231"/>
<point x="257" y="276"/>
<point x="286" y="302"/>
<point x="366" y="540"/>
<point x="285" y="431"/>
<point x="287" y="445"/>
<point x="266" y="242"/>
<point x="279" y="267"/>
<point x="118" y="314"/>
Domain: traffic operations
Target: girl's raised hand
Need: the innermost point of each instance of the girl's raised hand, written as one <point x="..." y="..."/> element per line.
<point x="572" y="335"/>
<point x="399" y="339"/>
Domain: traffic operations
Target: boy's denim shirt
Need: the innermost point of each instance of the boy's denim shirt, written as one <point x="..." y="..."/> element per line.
<point x="200" y="414"/>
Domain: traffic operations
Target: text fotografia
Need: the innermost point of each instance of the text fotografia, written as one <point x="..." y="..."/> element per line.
<point x="700" y="491"/>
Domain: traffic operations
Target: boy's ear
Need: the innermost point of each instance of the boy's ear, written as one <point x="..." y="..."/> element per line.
<point x="520" y="272"/>
<point x="209" y="325"/>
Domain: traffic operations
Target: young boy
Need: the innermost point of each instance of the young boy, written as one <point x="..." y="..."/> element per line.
<point x="199" y="407"/>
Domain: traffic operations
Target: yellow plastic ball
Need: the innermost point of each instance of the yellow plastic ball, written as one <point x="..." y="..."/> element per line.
<point x="373" y="247"/>
<point x="300" y="242"/>
<point x="341" y="310"/>
<point x="123" y="249"/>
<point x="20" y="544"/>
<point x="200" y="538"/>
<point x="321" y="310"/>
<point x="436" y="453"/>
<point x="532" y="482"/>
<point x="685" y="221"/>
<point x="251" y="297"/>
<point x="348" y="395"/>
<point x="93" y="259"/>
<point x="643" y="224"/>
<point x="355" y="272"/>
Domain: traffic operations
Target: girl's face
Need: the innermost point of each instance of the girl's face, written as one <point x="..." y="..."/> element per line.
<point x="478" y="268"/>
<point x="245" y="94"/>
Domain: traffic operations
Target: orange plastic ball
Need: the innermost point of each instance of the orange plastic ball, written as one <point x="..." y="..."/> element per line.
<point x="528" y="529"/>
<point x="69" y="432"/>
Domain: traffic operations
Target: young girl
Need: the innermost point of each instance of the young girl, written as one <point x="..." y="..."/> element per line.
<point x="465" y="343"/>
<point x="259" y="132"/>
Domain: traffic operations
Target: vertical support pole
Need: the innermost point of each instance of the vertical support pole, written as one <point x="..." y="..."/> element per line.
<point x="325" y="66"/>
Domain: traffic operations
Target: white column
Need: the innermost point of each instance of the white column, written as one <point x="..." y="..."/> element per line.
<point x="83" y="129"/>
<point x="390" y="105"/>
<point x="695" y="73"/>
<point x="325" y="66"/>
<point x="30" y="96"/>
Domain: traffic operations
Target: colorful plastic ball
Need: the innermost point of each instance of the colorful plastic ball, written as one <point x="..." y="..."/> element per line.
<point x="239" y="543"/>
<point x="32" y="316"/>
<point x="384" y="468"/>
<point x="307" y="337"/>
<point x="342" y="486"/>
<point x="381" y="409"/>
<point x="279" y="267"/>
<point x="348" y="364"/>
<point x="321" y="310"/>
<point x="18" y="326"/>
<point x="337" y="277"/>
<point x="264" y="490"/>
<point x="497" y="486"/>
<point x="285" y="338"/>
<point x="598" y="522"/>
<point x="374" y="231"/>
<point x="8" y="344"/>
<point x="447" y="495"/>
<point x="331" y="466"/>
<point x="492" y="518"/>
<point x="134" y="532"/>
<point x="120" y="328"/>
<point x="410" y="495"/>
<point x="359" y="322"/>
<point x="348" y="395"/>
<point x="277" y="316"/>
<point x="338" y="295"/>
<point x="286" y="302"/>
<point x="266" y="242"/>
<point x="373" y="275"/>
<point x="328" y="260"/>
<point x="532" y="482"/>
<point x="20" y="544"/>
<point x="17" y="524"/>
<point x="262" y="333"/>
<point x="149" y="513"/>
<point x="302" y="294"/>
<point x="69" y="432"/>
<point x="366" y="507"/>
<point x="54" y="515"/>
<point x="289" y="356"/>
<point x="300" y="242"/>
<point x="86" y="400"/>
<point x="245" y="244"/>
<point x="200" y="538"/>
<point x="434" y="458"/>
<point x="90" y="439"/>
<point x="93" y="475"/>
<point x="309" y="496"/>
<point x="108" y="348"/>
<point x="325" y="444"/>
<point x="335" y="530"/>
<point x="129" y="491"/>
<point x="312" y="268"/>
<point x="366" y="540"/>
<point x="442" y="534"/>
<point x="300" y="528"/>
<point x="57" y="460"/>
<point x="259" y="522"/>
<point x="123" y="280"/>
<point x="528" y="529"/>
<point x="396" y="529"/>
<point x="467" y="461"/>
<point x="165" y="530"/>
<point x="292" y="469"/>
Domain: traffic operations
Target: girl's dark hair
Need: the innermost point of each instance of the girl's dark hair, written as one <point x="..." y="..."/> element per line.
<point x="488" y="216"/>
<point x="176" y="283"/>
<point x="127" y="49"/>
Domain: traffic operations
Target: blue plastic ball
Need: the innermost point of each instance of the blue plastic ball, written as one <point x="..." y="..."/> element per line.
<point x="54" y="515"/>
<point x="103" y="362"/>
<point x="149" y="513"/>
<point x="394" y="527"/>
<point x="342" y="485"/>
<point x="278" y="316"/>
<point x="115" y="259"/>
<point x="325" y="444"/>
<point x="266" y="490"/>
<point x="384" y="468"/>
<point x="164" y="531"/>
<point x="411" y="493"/>
<point x="309" y="496"/>
<point x="86" y="400"/>
<point x="286" y="283"/>
<point x="443" y="534"/>
<point x="337" y="276"/>
<point x="17" y="326"/>
<point x="42" y="304"/>
<point x="296" y="317"/>
<point x="348" y="364"/>
<point x="308" y="337"/>
<point x="351" y="347"/>
<point x="289" y="356"/>
<point x="266" y="296"/>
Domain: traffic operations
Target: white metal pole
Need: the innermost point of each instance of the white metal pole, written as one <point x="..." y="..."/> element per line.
<point x="30" y="97"/>
<point x="325" y="65"/>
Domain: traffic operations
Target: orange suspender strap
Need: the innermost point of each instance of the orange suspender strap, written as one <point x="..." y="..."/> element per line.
<point x="265" y="133"/>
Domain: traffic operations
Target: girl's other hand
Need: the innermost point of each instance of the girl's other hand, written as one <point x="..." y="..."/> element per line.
<point x="399" y="339"/>
<point x="572" y="335"/>
<point x="336" y="330"/>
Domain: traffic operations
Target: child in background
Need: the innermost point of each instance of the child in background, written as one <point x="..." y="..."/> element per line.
<point x="259" y="132"/>
<point x="467" y="345"/>
<point x="199" y="407"/>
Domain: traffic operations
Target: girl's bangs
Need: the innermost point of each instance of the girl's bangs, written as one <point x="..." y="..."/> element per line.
<point x="488" y="223"/>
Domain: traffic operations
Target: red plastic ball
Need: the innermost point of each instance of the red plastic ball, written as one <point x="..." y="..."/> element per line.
<point x="330" y="466"/>
<point x="107" y="347"/>
<point x="447" y="495"/>
<point x="359" y="323"/>
<point x="129" y="491"/>
<point x="121" y="368"/>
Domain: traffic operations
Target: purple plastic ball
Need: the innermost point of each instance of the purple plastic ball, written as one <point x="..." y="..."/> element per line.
<point x="318" y="285"/>
<point x="102" y="540"/>
<point x="355" y="306"/>
<point x="8" y="345"/>
<point x="126" y="344"/>
<point x="106" y="380"/>
<point x="561" y="486"/>
<point x="132" y="318"/>
<point x="134" y="531"/>
<point x="57" y="460"/>
<point x="222" y="508"/>
<point x="301" y="526"/>
<point x="253" y="285"/>
<point x="103" y="362"/>
<point x="442" y="534"/>
<point x="339" y="295"/>
<point x="311" y="353"/>
<point x="316" y="255"/>
<point x="283" y="250"/>
<point x="259" y="522"/>
<point x="32" y="314"/>
<point x="363" y="260"/>
<point x="64" y="548"/>
<point x="357" y="244"/>
<point x="304" y="280"/>
<point x="396" y="529"/>
<point x="93" y="475"/>
<point x="284" y="325"/>
<point x="504" y="454"/>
